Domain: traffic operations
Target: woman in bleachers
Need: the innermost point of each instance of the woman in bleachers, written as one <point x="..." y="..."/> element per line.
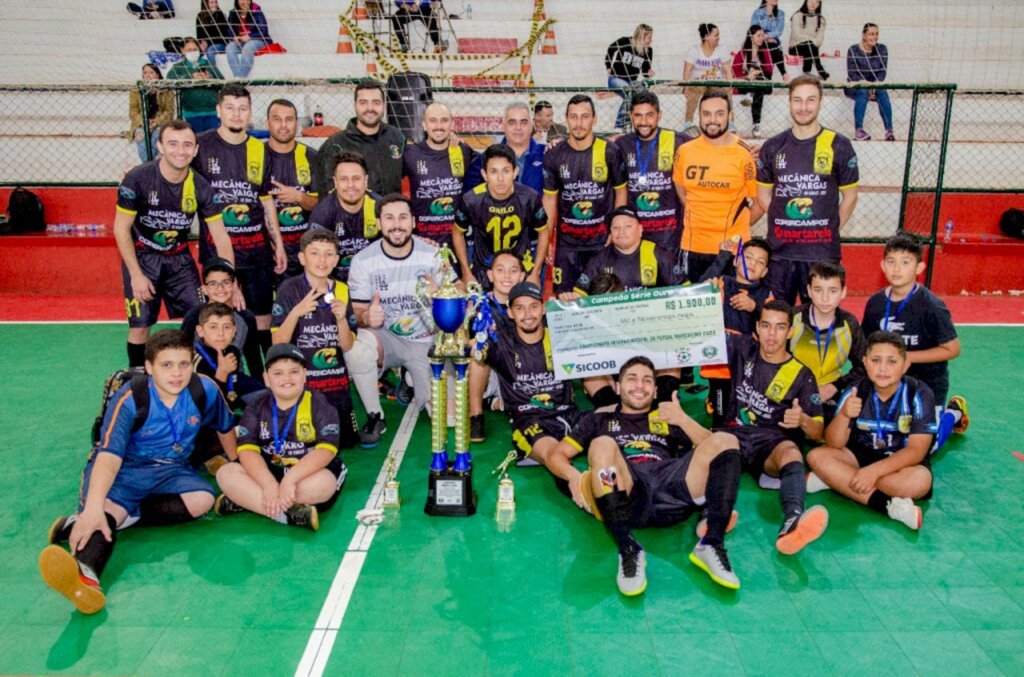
<point x="706" y="61"/>
<point x="249" y="34"/>
<point x="806" y="33"/>
<point x="159" y="111"/>
<point x="198" y="103"/>
<point x="868" y="61"/>
<point x="627" y="60"/>
<point x="212" y="30"/>
<point x="772" y="20"/>
<point x="754" y="63"/>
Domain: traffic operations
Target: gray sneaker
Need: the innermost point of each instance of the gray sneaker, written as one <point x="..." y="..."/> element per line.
<point x="715" y="563"/>
<point x="903" y="510"/>
<point x="632" y="576"/>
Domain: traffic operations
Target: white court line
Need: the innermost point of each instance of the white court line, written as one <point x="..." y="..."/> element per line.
<point x="321" y="640"/>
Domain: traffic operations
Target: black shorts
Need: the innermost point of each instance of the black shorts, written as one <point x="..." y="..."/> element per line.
<point x="337" y="469"/>
<point x="569" y="265"/>
<point x="788" y="279"/>
<point x="693" y="265"/>
<point x="529" y="428"/>
<point x="866" y="456"/>
<point x="660" y="497"/>
<point x="257" y="285"/>
<point x="756" y="445"/>
<point x="175" y="281"/>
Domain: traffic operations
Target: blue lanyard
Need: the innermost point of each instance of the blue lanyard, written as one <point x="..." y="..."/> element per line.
<point x="743" y="259"/>
<point x="878" y="410"/>
<point x="643" y="164"/>
<point x="281" y="433"/>
<point x="176" y="433"/>
<point x="817" y="338"/>
<point x="319" y="301"/>
<point x="213" y="363"/>
<point x="899" y="308"/>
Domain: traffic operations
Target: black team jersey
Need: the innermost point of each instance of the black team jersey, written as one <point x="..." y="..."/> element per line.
<point x="512" y="223"/>
<point x="884" y="426"/>
<point x="762" y="391"/>
<point x="436" y="178"/>
<point x="736" y="321"/>
<point x="527" y="376"/>
<point x="652" y="194"/>
<point x="315" y="427"/>
<point x="806" y="177"/>
<point x="355" y="230"/>
<point x="297" y="169"/>
<point x="648" y="266"/>
<point x="316" y="335"/>
<point x="640" y="437"/>
<point x="240" y="176"/>
<point x="924" y="321"/>
<point x="827" y="350"/>
<point x="585" y="181"/>
<point x="163" y="210"/>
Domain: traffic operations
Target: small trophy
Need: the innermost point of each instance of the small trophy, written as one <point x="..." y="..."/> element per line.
<point x="450" y="489"/>
<point x="392" y="499"/>
<point x="505" y="514"/>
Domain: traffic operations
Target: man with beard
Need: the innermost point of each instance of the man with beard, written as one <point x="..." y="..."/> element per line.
<point x="807" y="183"/>
<point x="293" y="169"/>
<point x="379" y="143"/>
<point x="436" y="167"/>
<point x="648" y="152"/>
<point x="350" y="212"/>
<point x="156" y="203"/>
<point x="395" y="331"/>
<point x="236" y="166"/>
<point x="528" y="151"/>
<point x="715" y="181"/>
<point x="584" y="179"/>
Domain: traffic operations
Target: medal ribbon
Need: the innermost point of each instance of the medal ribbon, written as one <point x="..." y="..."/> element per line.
<point x="878" y="411"/>
<point x="899" y="308"/>
<point x="643" y="164"/>
<point x="281" y="433"/>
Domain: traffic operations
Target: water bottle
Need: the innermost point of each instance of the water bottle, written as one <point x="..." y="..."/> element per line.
<point x="318" y="117"/>
<point x="469" y="11"/>
<point x="947" y="236"/>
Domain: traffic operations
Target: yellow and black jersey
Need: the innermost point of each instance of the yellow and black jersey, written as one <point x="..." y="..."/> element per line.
<point x="827" y="350"/>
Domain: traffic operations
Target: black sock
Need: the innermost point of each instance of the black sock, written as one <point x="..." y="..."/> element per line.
<point x="161" y="510"/>
<point x="264" y="341"/>
<point x="136" y="354"/>
<point x="879" y="502"/>
<point x="667" y="385"/>
<point x="604" y="397"/>
<point x="64" y="534"/>
<point x="723" y="484"/>
<point x="686" y="376"/>
<point x="793" y="489"/>
<point x="98" y="549"/>
<point x="618" y="516"/>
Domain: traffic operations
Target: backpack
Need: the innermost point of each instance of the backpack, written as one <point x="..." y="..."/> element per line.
<point x="1012" y="223"/>
<point x="140" y="395"/>
<point x="25" y="212"/>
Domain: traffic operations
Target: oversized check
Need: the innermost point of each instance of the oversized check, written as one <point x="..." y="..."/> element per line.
<point x="673" y="326"/>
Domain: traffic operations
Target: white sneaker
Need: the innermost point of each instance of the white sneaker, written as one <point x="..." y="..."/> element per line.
<point x="904" y="510"/>
<point x="632" y="574"/>
<point x="766" y="481"/>
<point x="756" y="131"/>
<point x="815" y="484"/>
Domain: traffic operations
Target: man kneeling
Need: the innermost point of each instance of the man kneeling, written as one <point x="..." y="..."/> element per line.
<point x="645" y="471"/>
<point x="288" y="466"/>
<point x="878" y="443"/>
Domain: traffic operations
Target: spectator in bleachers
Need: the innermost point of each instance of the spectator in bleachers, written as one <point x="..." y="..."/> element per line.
<point x="212" y="30"/>
<point x="159" y="111"/>
<point x="198" y="103"/>
<point x="806" y="33"/>
<point x="545" y="129"/>
<point x="152" y="9"/>
<point x="868" y="62"/>
<point x="773" y="21"/>
<point x="706" y="61"/>
<point x="627" y="60"/>
<point x="412" y="10"/>
<point x="249" y="34"/>
<point x="754" y="63"/>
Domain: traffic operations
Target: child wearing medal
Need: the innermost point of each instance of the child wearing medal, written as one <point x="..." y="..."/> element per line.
<point x="217" y="358"/>
<point x="288" y="467"/>
<point x="877" y="445"/>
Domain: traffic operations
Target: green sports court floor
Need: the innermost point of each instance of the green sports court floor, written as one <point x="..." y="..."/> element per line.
<point x="241" y="596"/>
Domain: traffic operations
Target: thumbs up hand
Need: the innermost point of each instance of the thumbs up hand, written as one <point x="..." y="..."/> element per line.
<point x="793" y="416"/>
<point x="852" y="405"/>
<point x="375" y="315"/>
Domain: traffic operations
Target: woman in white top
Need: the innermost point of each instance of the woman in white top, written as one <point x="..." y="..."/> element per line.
<point x="806" y="33"/>
<point x="705" y="61"/>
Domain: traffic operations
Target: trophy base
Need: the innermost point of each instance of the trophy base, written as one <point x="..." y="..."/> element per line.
<point x="450" y="494"/>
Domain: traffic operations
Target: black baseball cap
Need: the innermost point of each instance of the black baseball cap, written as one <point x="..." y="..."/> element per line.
<point x="525" y="288"/>
<point x="284" y="351"/>
<point x="620" y="211"/>
<point x="217" y="263"/>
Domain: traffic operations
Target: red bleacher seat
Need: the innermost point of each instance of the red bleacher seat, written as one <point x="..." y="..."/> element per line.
<point x="477" y="124"/>
<point x="487" y="45"/>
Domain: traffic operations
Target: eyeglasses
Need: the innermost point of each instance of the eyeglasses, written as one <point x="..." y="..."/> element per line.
<point x="223" y="284"/>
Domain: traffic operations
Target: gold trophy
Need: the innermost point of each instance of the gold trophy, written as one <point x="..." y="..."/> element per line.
<point x="450" y="490"/>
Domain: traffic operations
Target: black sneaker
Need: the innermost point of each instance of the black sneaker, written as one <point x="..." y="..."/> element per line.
<point x="61" y="529"/>
<point x="300" y="515"/>
<point x="369" y="436"/>
<point x="403" y="391"/>
<point x="225" y="506"/>
<point x="477" y="431"/>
